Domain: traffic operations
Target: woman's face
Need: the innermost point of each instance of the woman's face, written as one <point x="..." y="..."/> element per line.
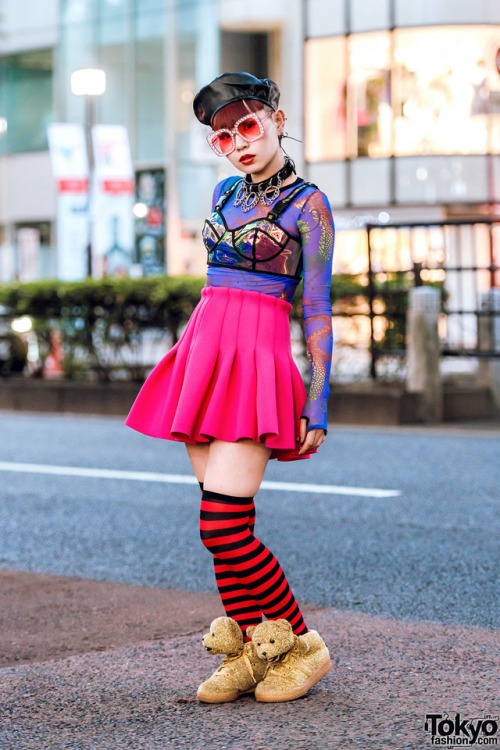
<point x="263" y="155"/>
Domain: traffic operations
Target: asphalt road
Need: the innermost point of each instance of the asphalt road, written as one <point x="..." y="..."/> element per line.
<point x="429" y="553"/>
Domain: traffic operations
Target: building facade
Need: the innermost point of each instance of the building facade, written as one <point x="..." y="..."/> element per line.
<point x="396" y="104"/>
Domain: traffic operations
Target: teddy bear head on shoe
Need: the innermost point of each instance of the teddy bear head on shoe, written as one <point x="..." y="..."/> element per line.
<point x="225" y="637"/>
<point x="274" y="638"/>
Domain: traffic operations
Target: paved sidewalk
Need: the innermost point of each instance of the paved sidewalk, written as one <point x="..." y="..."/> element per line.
<point x="141" y="693"/>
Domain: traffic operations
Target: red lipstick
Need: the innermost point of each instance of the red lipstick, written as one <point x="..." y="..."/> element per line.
<point x="247" y="158"/>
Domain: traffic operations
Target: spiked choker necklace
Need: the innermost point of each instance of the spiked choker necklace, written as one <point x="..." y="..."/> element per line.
<point x="250" y="193"/>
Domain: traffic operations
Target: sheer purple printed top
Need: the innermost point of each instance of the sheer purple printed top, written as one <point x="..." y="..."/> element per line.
<point x="269" y="250"/>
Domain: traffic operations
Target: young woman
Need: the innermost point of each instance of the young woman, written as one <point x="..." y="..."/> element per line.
<point x="229" y="389"/>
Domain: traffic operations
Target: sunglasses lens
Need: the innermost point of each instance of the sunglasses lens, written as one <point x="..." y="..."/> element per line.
<point x="250" y="129"/>
<point x="223" y="142"/>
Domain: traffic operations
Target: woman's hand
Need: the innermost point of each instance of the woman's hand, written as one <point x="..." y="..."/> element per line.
<point x="310" y="440"/>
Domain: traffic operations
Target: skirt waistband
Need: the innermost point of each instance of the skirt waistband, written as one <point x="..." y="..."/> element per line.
<point x="222" y="292"/>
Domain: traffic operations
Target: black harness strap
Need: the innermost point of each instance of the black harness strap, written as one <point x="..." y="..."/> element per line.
<point x="226" y="195"/>
<point x="282" y="205"/>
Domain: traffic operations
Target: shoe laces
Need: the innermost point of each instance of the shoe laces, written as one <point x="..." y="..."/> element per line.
<point x="232" y="657"/>
<point x="229" y="658"/>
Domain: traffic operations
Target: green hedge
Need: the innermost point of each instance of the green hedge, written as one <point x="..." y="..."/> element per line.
<point x="108" y="311"/>
<point x="112" y="313"/>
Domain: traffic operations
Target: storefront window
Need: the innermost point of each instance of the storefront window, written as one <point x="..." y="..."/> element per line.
<point x="432" y="90"/>
<point x="348" y="117"/>
<point x="369" y="95"/>
<point x="26" y="82"/>
<point x="325" y="99"/>
<point x="447" y="101"/>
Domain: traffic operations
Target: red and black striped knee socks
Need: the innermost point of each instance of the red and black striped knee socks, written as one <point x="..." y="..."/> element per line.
<point x="236" y="600"/>
<point x="249" y="577"/>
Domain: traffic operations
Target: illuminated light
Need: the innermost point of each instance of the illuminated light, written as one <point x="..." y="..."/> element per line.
<point x="22" y="325"/>
<point x="410" y="109"/>
<point x="422" y="174"/>
<point x="362" y="61"/>
<point x="33" y="350"/>
<point x="3" y="125"/>
<point x="187" y="96"/>
<point x="433" y="274"/>
<point x="88" y="82"/>
<point x="140" y="210"/>
<point x="383" y="217"/>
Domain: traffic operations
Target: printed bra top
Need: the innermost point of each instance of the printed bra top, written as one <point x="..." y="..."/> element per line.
<point x="269" y="249"/>
<point x="261" y="245"/>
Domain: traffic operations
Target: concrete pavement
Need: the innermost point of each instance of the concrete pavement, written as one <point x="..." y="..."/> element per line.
<point x="131" y="681"/>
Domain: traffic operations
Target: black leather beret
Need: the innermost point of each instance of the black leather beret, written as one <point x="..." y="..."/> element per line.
<point x="231" y="87"/>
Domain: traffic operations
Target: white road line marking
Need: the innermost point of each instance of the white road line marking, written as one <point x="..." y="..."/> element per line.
<point x="150" y="476"/>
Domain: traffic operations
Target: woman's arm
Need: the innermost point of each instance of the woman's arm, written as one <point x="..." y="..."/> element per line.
<point x="317" y="233"/>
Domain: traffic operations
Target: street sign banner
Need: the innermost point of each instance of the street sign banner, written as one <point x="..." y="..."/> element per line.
<point x="68" y="150"/>
<point x="68" y="153"/>
<point x="113" y="238"/>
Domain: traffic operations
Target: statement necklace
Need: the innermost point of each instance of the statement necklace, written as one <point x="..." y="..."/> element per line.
<point x="250" y="193"/>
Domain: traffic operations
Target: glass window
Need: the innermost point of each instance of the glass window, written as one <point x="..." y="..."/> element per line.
<point x="26" y="108"/>
<point x="149" y="110"/>
<point x="399" y="101"/>
<point x="78" y="11"/>
<point x="77" y="49"/>
<point x="113" y="39"/>
<point x="369" y="109"/>
<point x="198" y="56"/>
<point x="150" y="89"/>
<point x="325" y="97"/>
<point x="446" y="101"/>
<point x="348" y="117"/>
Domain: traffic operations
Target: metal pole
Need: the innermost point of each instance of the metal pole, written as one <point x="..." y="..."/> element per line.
<point x="371" y="298"/>
<point x="89" y="124"/>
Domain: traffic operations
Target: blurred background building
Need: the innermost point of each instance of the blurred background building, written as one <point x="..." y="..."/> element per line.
<point x="397" y="103"/>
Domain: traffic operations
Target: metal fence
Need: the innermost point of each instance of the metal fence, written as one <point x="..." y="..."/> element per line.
<point x="460" y="257"/>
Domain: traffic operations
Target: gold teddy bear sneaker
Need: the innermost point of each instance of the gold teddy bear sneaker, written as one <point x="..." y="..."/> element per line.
<point x="295" y="663"/>
<point x="241" y="668"/>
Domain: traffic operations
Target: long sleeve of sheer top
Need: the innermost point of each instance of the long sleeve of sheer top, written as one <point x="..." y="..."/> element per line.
<point x="317" y="233"/>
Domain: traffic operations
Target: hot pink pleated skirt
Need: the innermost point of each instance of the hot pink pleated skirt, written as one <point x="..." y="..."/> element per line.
<point x="231" y="375"/>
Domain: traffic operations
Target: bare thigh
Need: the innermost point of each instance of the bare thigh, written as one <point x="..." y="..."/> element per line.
<point x="230" y="468"/>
